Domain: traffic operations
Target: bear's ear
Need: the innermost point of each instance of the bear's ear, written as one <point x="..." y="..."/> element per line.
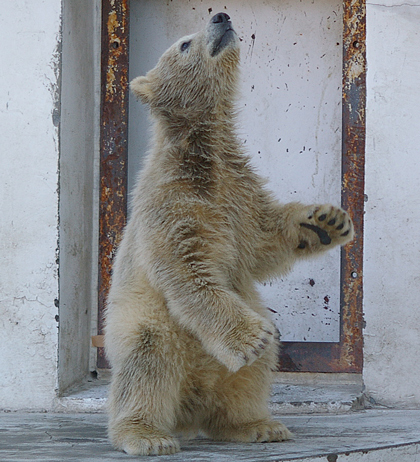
<point x="142" y="89"/>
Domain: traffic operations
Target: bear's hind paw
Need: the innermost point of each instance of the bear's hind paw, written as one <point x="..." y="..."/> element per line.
<point x="265" y="431"/>
<point x="150" y="445"/>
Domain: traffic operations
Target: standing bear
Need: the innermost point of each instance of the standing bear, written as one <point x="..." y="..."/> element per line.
<point x="191" y="345"/>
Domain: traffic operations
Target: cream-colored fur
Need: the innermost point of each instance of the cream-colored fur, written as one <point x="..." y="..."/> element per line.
<point x="191" y="346"/>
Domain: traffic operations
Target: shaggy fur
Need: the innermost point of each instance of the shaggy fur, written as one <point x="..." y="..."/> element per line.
<point x="191" y="346"/>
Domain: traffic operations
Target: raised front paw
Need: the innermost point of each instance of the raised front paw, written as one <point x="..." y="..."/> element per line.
<point x="325" y="225"/>
<point x="246" y="343"/>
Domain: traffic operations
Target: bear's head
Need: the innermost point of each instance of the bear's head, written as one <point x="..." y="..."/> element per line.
<point x="196" y="77"/>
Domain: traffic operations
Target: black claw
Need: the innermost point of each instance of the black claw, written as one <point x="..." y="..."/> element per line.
<point x="340" y="227"/>
<point x="302" y="245"/>
<point x="322" y="234"/>
<point x="322" y="217"/>
<point x="345" y="233"/>
<point x="331" y="222"/>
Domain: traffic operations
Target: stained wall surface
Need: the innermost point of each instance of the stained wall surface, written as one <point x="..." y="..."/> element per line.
<point x="392" y="220"/>
<point x="29" y="202"/>
<point x="78" y="206"/>
<point x="29" y="149"/>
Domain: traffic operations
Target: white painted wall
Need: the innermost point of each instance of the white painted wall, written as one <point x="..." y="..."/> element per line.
<point x="29" y="178"/>
<point x="79" y="177"/>
<point x="49" y="116"/>
<point x="392" y="220"/>
<point x="29" y="152"/>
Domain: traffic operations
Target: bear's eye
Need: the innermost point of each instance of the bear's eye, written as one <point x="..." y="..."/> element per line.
<point x="185" y="45"/>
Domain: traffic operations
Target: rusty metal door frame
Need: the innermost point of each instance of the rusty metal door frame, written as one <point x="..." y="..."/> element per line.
<point x="113" y="144"/>
<point x="345" y="356"/>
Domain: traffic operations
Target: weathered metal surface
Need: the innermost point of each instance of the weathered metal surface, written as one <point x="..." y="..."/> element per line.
<point x="353" y="165"/>
<point x="113" y="157"/>
<point x="347" y="355"/>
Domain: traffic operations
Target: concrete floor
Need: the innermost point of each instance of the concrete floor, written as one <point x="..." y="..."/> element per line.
<point x="362" y="436"/>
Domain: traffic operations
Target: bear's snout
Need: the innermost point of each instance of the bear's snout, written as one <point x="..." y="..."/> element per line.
<point x="220" y="17"/>
<point x="221" y="34"/>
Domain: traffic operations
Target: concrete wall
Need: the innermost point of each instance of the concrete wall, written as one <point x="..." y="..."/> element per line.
<point x="49" y="152"/>
<point x="29" y="147"/>
<point x="34" y="163"/>
<point x="79" y="152"/>
<point x="392" y="230"/>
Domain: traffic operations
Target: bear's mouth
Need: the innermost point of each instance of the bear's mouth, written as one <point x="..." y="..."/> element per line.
<point x="221" y="43"/>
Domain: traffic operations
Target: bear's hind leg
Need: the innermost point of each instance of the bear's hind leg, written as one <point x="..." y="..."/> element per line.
<point x="257" y="431"/>
<point x="144" y="394"/>
<point x="241" y="413"/>
<point x="136" y="436"/>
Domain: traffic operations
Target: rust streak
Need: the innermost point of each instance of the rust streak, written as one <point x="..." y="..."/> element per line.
<point x="353" y="160"/>
<point x="113" y="159"/>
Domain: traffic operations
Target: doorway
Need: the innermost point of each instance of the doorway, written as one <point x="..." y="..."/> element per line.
<point x="302" y="122"/>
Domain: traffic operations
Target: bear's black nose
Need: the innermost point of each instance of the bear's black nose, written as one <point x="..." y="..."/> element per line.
<point x="219" y="18"/>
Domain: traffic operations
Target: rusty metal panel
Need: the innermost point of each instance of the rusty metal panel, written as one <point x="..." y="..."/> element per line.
<point x="347" y="355"/>
<point x="113" y="143"/>
<point x="353" y="165"/>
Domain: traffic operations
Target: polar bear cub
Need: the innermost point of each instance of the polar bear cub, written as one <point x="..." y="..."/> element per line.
<point x="191" y="345"/>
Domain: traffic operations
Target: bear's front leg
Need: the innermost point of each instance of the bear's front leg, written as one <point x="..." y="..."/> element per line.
<point x="228" y="329"/>
<point x="317" y="228"/>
